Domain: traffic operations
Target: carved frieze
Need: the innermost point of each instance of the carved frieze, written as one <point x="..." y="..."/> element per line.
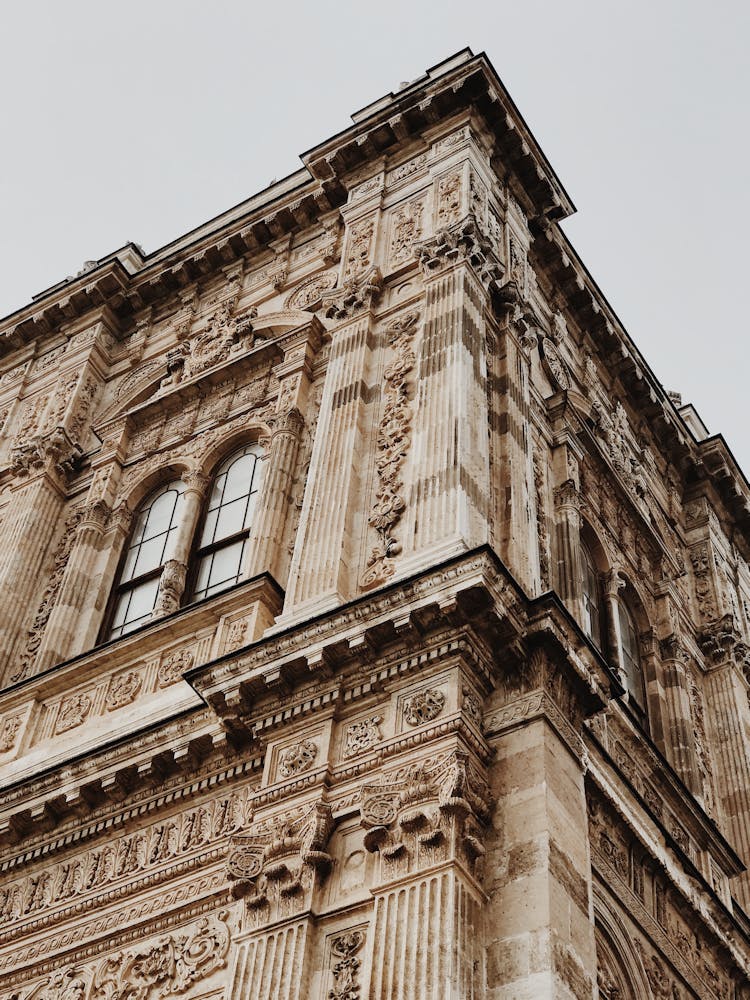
<point x="424" y="706"/>
<point x="406" y="229"/>
<point x="73" y="712"/>
<point x="123" y="689"/>
<point x="297" y="758"/>
<point x="359" y="250"/>
<point x="346" y="966"/>
<point x="361" y="736"/>
<point x="309" y="294"/>
<point x="393" y="441"/>
<point x="172" y="668"/>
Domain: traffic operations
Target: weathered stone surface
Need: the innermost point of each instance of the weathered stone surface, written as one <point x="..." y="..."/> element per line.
<point x="371" y="625"/>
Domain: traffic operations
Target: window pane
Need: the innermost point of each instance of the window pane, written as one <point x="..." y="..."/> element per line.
<point x="591" y="606"/>
<point x="209" y="527"/>
<point x="239" y="478"/>
<point x="161" y="514"/>
<point x="142" y="600"/>
<point x="630" y="654"/>
<point x="150" y="555"/>
<point x="226" y="564"/>
<point x="231" y="519"/>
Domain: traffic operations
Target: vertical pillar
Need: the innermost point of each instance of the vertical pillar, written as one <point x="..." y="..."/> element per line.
<point x="174" y="573"/>
<point x="679" y="728"/>
<point x="539" y="919"/>
<point x="31" y="524"/>
<point x="268" y="529"/>
<point x="319" y="573"/>
<point x="726" y="691"/>
<point x="568" y="546"/>
<point x="447" y="510"/>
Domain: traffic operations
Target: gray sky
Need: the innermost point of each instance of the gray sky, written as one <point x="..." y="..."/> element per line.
<point x="139" y="120"/>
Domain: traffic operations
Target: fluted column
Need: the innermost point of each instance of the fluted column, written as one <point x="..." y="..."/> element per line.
<point x="31" y="522"/>
<point x="59" y="637"/>
<point x="275" y="496"/>
<point x="272" y="965"/>
<point x="726" y="690"/>
<point x="174" y="573"/>
<point x="679" y="727"/>
<point x="447" y="506"/>
<point x="319" y="573"/>
<point x="568" y="546"/>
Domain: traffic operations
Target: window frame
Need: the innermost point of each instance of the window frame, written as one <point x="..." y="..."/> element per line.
<point x="200" y="552"/>
<point x="634" y="678"/>
<point x="590" y="575"/>
<point x="134" y="582"/>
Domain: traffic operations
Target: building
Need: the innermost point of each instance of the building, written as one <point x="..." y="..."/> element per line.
<point x="373" y="624"/>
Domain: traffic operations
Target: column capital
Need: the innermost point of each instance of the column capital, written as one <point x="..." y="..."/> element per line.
<point x="722" y="643"/>
<point x="463" y="242"/>
<point x="354" y="296"/>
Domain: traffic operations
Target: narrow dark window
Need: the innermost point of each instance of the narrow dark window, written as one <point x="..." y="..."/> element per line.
<point x="222" y="544"/>
<point x="592" y="609"/>
<point x="631" y="660"/>
<point x="137" y="586"/>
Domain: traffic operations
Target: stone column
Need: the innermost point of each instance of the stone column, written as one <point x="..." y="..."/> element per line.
<point x="447" y="507"/>
<point x="318" y="574"/>
<point x="275" y="497"/>
<point x="32" y="520"/>
<point x="726" y="691"/>
<point x="58" y="642"/>
<point x="539" y="919"/>
<point x="428" y="826"/>
<point x="174" y="573"/>
<point x="568" y="546"/>
<point x="679" y="727"/>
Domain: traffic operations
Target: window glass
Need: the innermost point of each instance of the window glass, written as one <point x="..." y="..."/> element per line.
<point x="631" y="661"/>
<point x="592" y="617"/>
<point x="138" y="585"/>
<point x="226" y="523"/>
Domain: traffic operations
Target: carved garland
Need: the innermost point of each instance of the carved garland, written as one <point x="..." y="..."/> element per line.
<point x="394" y="438"/>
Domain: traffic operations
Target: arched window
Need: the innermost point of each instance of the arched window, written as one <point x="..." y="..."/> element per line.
<point x="631" y="660"/>
<point x="592" y="604"/>
<point x="137" y="585"/>
<point x="218" y="559"/>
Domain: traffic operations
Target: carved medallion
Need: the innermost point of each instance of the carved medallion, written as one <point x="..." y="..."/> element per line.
<point x="297" y="758"/>
<point x="73" y="712"/>
<point x="361" y="736"/>
<point x="122" y="690"/>
<point x="554" y="364"/>
<point x="171" y="670"/>
<point x="423" y="706"/>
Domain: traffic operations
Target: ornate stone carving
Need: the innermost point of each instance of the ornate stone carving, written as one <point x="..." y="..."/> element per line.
<point x="171" y="586"/>
<point x="297" y="758"/>
<point x="406" y="229"/>
<point x="427" y="812"/>
<point x="615" y="435"/>
<point x="49" y="598"/>
<point x="407" y="169"/>
<point x="53" y="451"/>
<point x="362" y="735"/>
<point x="169" y="965"/>
<point x="65" y="984"/>
<point x="225" y="334"/>
<point x="309" y="294"/>
<point x="122" y="690"/>
<point x="462" y="241"/>
<point x="280" y="862"/>
<point x="394" y="438"/>
<point x="174" y="666"/>
<point x="449" y="199"/>
<point x="360" y="247"/>
<point x="346" y="966"/>
<point x="9" y="732"/>
<point x="722" y="642"/>
<point x="355" y="295"/>
<point x="72" y="712"/>
<point x="424" y="706"/>
<point x="554" y="363"/>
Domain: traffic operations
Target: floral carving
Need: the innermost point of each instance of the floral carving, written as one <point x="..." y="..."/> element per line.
<point x="394" y="438"/>
<point x="171" y="670"/>
<point x="169" y="965"/>
<point x="360" y="244"/>
<point x="407" y="169"/>
<point x="65" y="984"/>
<point x="171" y="586"/>
<point x="407" y="227"/>
<point x="449" y="199"/>
<point x="462" y="241"/>
<point x="554" y="363"/>
<point x="9" y="732"/>
<point x="73" y="712"/>
<point x="362" y="735"/>
<point x="297" y="758"/>
<point x="424" y="706"/>
<point x="280" y="861"/>
<point x="309" y="294"/>
<point x="354" y="295"/>
<point x="122" y="690"/>
<point x="49" y="598"/>
<point x="346" y="966"/>
<point x="225" y="334"/>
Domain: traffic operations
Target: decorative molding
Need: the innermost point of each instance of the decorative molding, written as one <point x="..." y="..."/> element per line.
<point x="393" y="441"/>
<point x="424" y="706"/>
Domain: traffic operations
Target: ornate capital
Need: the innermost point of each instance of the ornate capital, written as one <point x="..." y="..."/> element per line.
<point x="53" y="452"/>
<point x="463" y="242"/>
<point x="567" y="495"/>
<point x="195" y="481"/>
<point x="722" y="643"/>
<point x="278" y="864"/>
<point x="355" y="295"/>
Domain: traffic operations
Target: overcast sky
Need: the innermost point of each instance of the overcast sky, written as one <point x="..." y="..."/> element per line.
<point x="140" y="120"/>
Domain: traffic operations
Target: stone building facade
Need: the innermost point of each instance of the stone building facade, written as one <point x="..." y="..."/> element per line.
<point x="372" y="623"/>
